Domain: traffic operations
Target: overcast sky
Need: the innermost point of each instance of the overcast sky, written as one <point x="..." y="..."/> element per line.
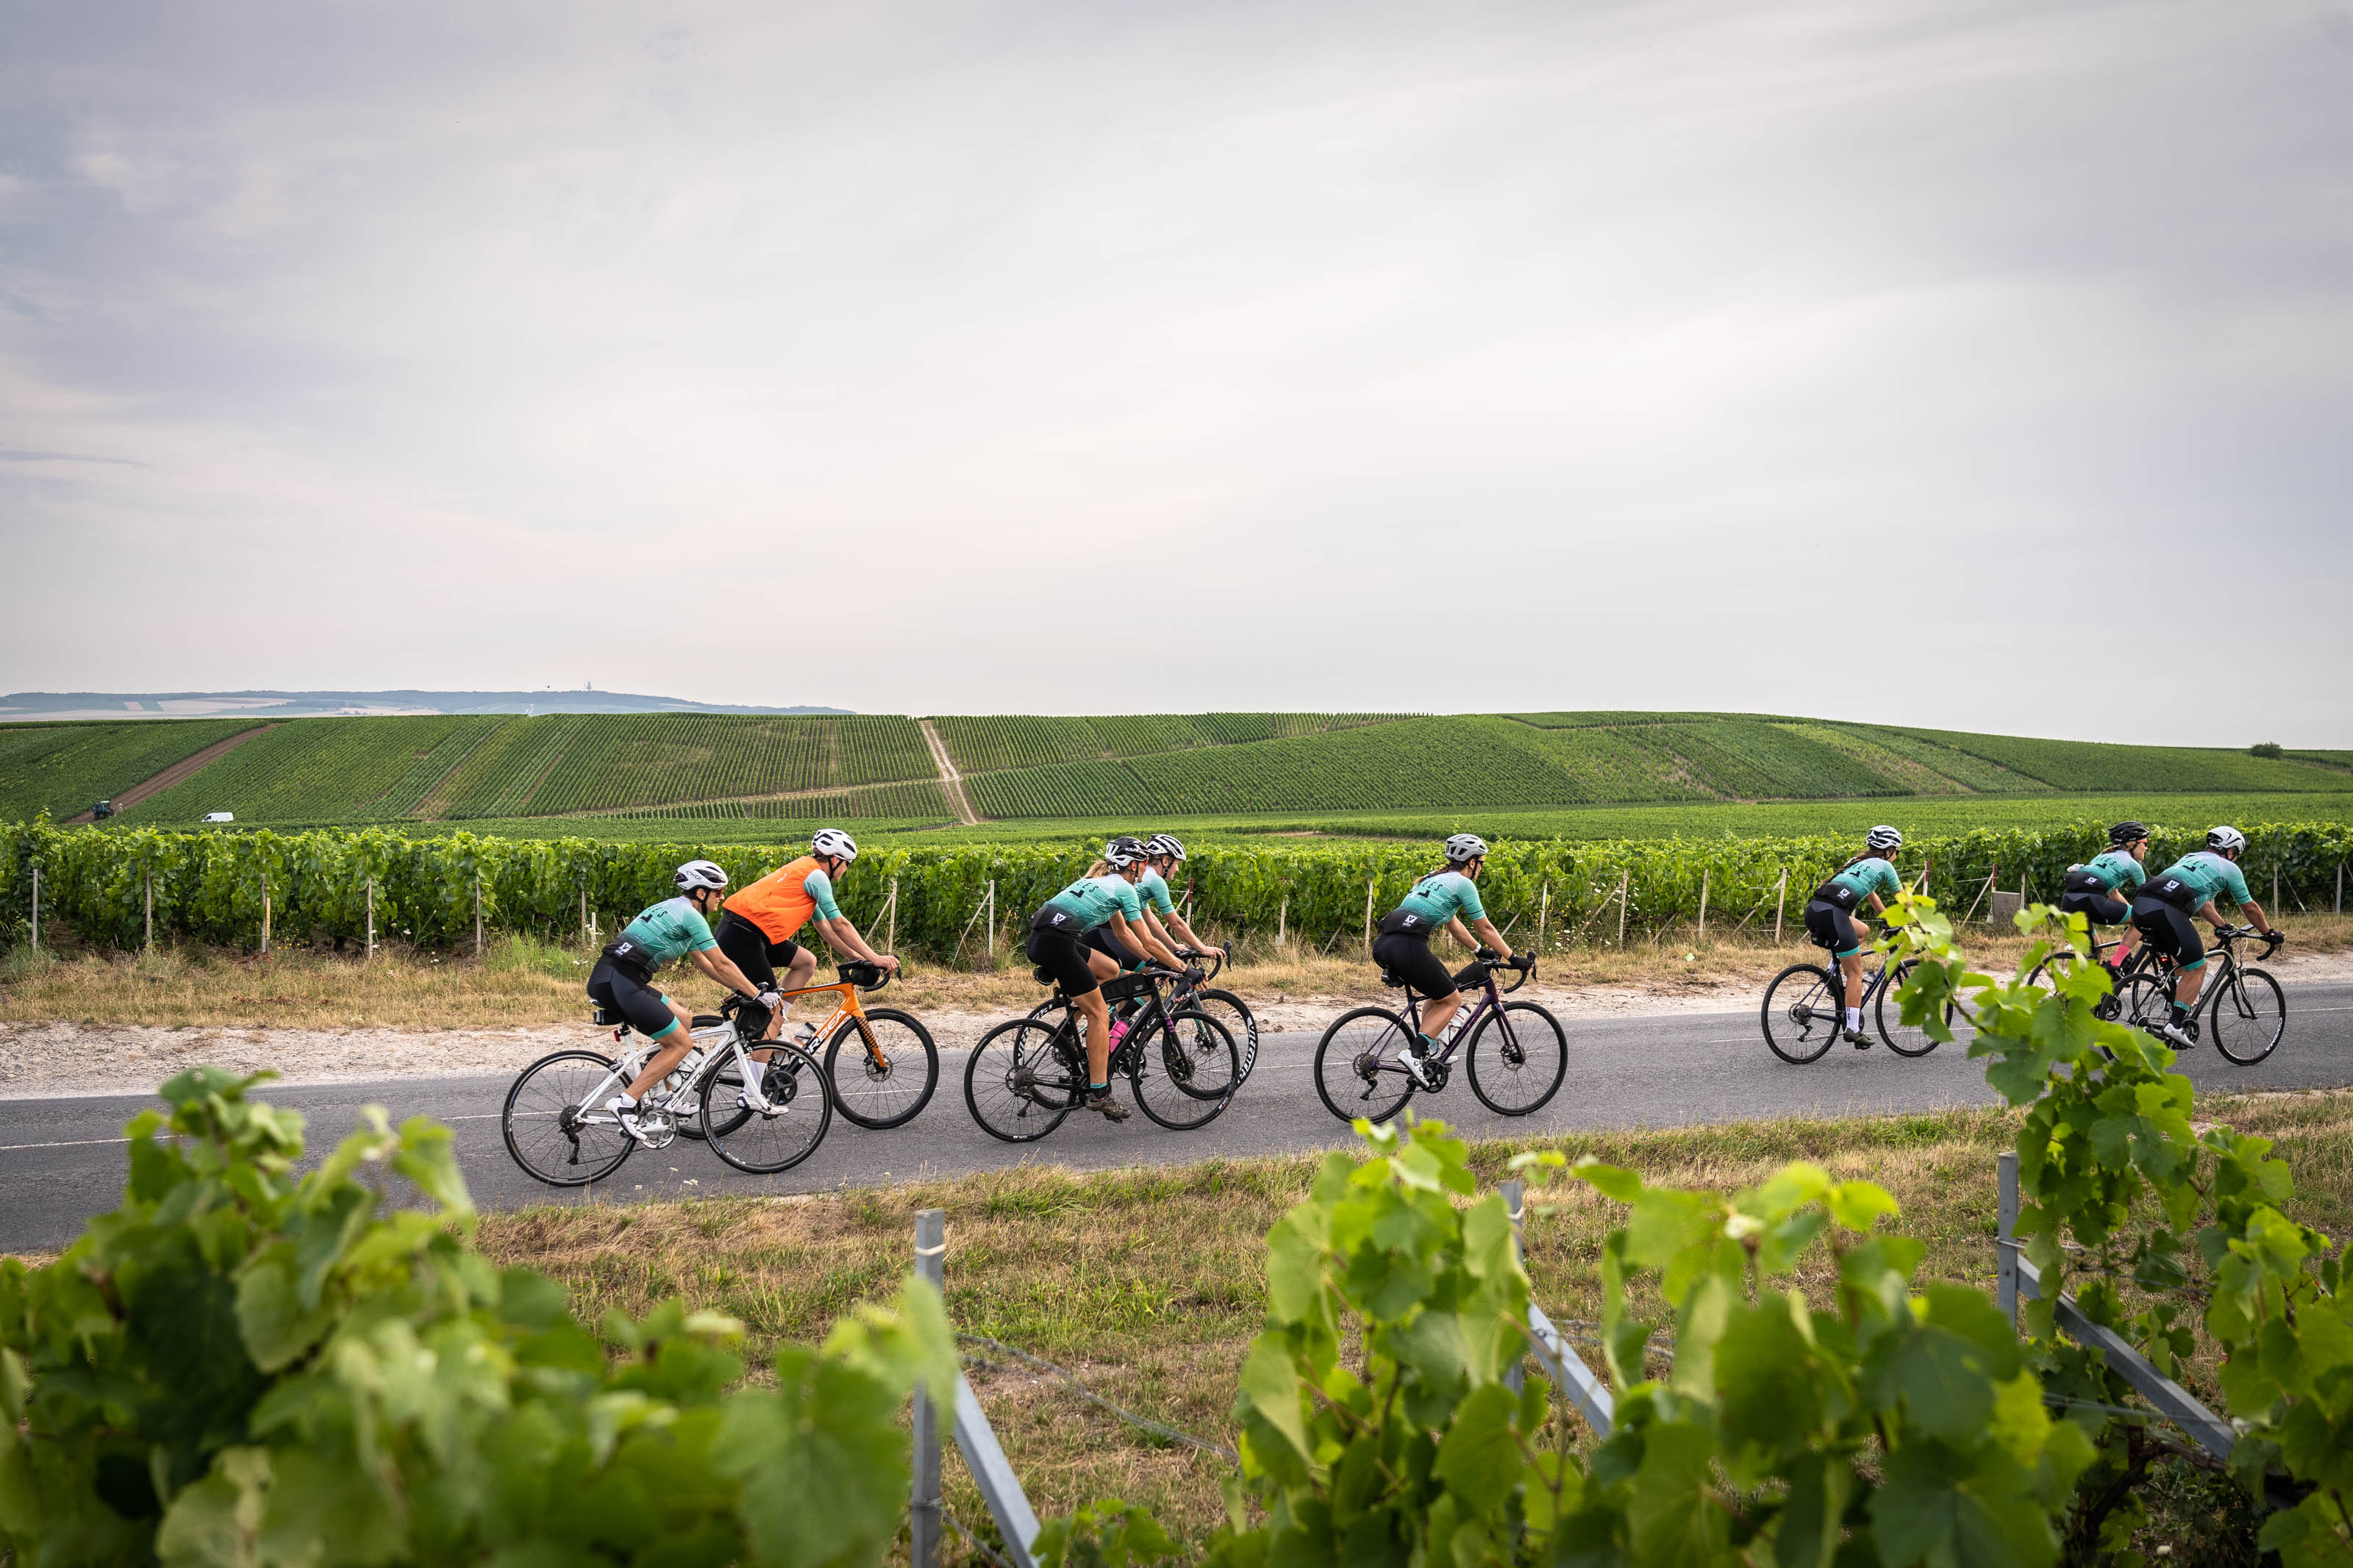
<point x="1987" y="365"/>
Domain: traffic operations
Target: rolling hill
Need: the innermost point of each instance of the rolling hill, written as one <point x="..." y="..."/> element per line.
<point x="688" y="765"/>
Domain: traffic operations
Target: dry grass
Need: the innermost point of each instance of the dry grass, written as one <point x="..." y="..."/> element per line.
<point x="524" y="982"/>
<point x="1148" y="1283"/>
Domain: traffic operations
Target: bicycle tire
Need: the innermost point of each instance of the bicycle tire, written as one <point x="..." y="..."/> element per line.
<point x="1366" y="1037"/>
<point x="762" y="1143"/>
<point x="558" y="1146"/>
<point x="1197" y="1058"/>
<point x="2258" y="1018"/>
<point x="865" y="1095"/>
<point x="1810" y="1014"/>
<point x="2145" y="1003"/>
<point x="1243" y="1025"/>
<point x="1531" y="1042"/>
<point x="1904" y="1039"/>
<point x="1020" y="1070"/>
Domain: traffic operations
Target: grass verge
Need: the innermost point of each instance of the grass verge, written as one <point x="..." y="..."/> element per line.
<point x="1147" y="1283"/>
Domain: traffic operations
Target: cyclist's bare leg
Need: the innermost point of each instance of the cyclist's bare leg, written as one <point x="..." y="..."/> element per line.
<point x="1101" y="964"/>
<point x="665" y="1060"/>
<point x="796" y="974"/>
<point x="1098" y="1016"/>
<point x="1850" y="968"/>
<point x="1439" y="1012"/>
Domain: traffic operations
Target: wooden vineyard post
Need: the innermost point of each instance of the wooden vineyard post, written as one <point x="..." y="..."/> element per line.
<point x="1368" y="915"/>
<point x="1544" y="913"/>
<point x="1703" y="903"/>
<point x="2275" y="898"/>
<point x="1781" y="901"/>
<point x="371" y="918"/>
<point x="584" y="913"/>
<point x="992" y="923"/>
<point x="2340" y="886"/>
<point x="147" y="885"/>
<point x="890" y="936"/>
<point x="1625" y="881"/>
<point x="36" y="908"/>
<point x="1281" y="922"/>
<point x="478" y="914"/>
<point x="265" y="913"/>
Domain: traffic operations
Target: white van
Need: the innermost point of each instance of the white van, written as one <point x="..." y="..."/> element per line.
<point x="220" y="816"/>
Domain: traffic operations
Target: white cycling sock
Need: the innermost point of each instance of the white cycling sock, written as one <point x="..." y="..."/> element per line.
<point x="1854" y="1018"/>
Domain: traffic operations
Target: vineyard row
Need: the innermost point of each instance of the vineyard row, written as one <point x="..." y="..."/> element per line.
<point x="211" y="886"/>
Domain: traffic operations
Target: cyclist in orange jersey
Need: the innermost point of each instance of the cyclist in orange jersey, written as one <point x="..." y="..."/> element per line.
<point x="761" y="921"/>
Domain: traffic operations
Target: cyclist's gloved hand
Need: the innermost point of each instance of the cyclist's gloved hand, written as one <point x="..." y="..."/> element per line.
<point x="1485" y="954"/>
<point x="769" y="998"/>
<point x="1195" y="973"/>
<point x="1524" y="962"/>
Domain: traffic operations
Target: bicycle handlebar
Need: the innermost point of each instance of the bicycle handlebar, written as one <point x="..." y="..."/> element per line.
<point x="1218" y="958"/>
<point x="1510" y="960"/>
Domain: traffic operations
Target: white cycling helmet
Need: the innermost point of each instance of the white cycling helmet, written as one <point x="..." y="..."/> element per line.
<point x="1164" y="844"/>
<point x="1124" y="851"/>
<point x="698" y="874"/>
<point x="2225" y="839"/>
<point x="1882" y="838"/>
<point x="1464" y="846"/>
<point x="834" y="842"/>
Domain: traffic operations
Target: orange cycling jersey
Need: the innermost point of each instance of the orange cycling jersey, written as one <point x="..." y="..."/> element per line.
<point x="780" y="902"/>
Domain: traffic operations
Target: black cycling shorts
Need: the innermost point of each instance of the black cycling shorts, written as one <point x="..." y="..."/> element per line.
<point x="1101" y="940"/>
<point x="2098" y="908"/>
<point x="1064" y="959"/>
<point x="1410" y="958"/>
<point x="753" y="954"/>
<point x="641" y="1005"/>
<point x="2170" y="930"/>
<point x="1834" y="928"/>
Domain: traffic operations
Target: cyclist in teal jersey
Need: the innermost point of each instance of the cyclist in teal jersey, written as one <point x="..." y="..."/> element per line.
<point x="2101" y="890"/>
<point x="623" y="978"/>
<point x="1443" y="900"/>
<point x="1057" y="945"/>
<point x="2193" y="885"/>
<point x="1162" y="852"/>
<point x="1830" y="916"/>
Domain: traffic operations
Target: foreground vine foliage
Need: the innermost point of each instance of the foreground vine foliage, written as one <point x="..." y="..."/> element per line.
<point x="236" y="1368"/>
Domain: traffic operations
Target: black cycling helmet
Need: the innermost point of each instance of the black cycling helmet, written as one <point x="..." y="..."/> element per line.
<point x="2125" y="833"/>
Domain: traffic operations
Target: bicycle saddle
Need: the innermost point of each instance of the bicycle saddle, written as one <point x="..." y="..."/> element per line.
<point x="1391" y="977"/>
<point x="605" y="1017"/>
<point x="1045" y="976"/>
<point x="707" y="1021"/>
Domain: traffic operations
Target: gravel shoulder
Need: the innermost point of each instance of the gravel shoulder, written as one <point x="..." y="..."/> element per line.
<point x="42" y="1060"/>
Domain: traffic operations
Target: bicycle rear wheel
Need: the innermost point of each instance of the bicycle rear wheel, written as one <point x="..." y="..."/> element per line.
<point x="2248" y="1016"/>
<point x="546" y="1130"/>
<point x="1903" y="1039"/>
<point x="1230" y="1010"/>
<point x="1802" y="1014"/>
<point x="2145" y="1003"/>
<point x="1360" y="1065"/>
<point x="884" y="1076"/>
<point x="765" y="1141"/>
<point x="1019" y="1082"/>
<point x="1184" y="1072"/>
<point x="1517" y="1058"/>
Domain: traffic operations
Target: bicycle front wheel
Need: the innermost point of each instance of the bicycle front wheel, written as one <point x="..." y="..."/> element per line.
<point x="2248" y="1016"/>
<point x="1887" y="1012"/>
<point x="1185" y="1071"/>
<point x="882" y="1074"/>
<point x="555" y="1123"/>
<point x="1019" y="1082"/>
<point x="1230" y="1010"/>
<point x="1360" y="1065"/>
<point x="1802" y="1010"/>
<point x="799" y="1109"/>
<point x="1517" y="1058"/>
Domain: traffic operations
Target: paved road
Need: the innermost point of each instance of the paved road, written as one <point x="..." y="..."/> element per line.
<point x="61" y="1160"/>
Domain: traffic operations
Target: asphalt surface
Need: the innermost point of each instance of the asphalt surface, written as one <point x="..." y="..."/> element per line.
<point x="62" y="1160"/>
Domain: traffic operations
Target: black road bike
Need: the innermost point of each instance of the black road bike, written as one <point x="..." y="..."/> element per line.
<point x="1223" y="1006"/>
<point x="1805" y="1011"/>
<point x="2245" y="1010"/>
<point x="1025" y="1077"/>
<point x="1514" y="1053"/>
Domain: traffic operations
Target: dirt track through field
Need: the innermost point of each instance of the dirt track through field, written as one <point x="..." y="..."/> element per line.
<point x="185" y="768"/>
<point x="950" y="780"/>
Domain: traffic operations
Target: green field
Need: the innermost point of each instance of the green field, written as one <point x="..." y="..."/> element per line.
<point x="1350" y="773"/>
<point x="64" y="768"/>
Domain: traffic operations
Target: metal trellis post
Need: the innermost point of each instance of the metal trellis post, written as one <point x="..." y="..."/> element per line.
<point x="992" y="923"/>
<point x="1625" y="882"/>
<point x="36" y="908"/>
<point x="1781" y="902"/>
<point x="1281" y="921"/>
<point x="147" y="884"/>
<point x="2005" y="1286"/>
<point x="1368" y="914"/>
<point x="478" y="914"/>
<point x="265" y="913"/>
<point x="371" y="918"/>
<point x="1515" y="1200"/>
<point x="890" y="920"/>
<point x="1543" y="913"/>
<point x="923" y="1510"/>
<point x="1703" y="903"/>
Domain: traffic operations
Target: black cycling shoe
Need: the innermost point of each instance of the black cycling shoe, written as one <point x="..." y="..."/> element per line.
<point x="1855" y="1038"/>
<point x="1101" y="1099"/>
